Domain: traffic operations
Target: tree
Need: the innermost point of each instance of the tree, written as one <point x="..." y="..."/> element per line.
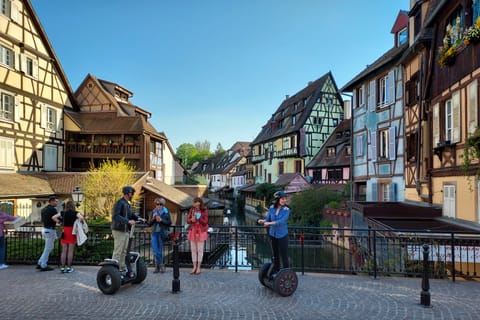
<point x="103" y="186"/>
<point x="187" y="152"/>
<point x="265" y="192"/>
<point x="219" y="149"/>
<point x="307" y="206"/>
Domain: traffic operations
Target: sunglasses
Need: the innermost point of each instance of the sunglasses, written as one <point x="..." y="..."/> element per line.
<point x="159" y="204"/>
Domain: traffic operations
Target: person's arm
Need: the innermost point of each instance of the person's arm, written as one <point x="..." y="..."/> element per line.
<point x="189" y="217"/>
<point x="166" y="219"/>
<point x="56" y="218"/>
<point x="282" y="216"/>
<point x="80" y="217"/>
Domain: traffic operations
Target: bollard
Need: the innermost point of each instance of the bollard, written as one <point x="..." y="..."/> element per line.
<point x="425" y="295"/>
<point x="176" y="268"/>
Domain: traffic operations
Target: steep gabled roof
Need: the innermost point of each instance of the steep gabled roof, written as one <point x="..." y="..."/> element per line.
<point x="339" y="139"/>
<point x="310" y="94"/>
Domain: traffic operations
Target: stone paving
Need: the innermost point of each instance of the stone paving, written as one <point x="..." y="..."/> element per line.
<point x="223" y="294"/>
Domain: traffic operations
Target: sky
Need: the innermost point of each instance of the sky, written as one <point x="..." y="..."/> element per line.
<point x="216" y="70"/>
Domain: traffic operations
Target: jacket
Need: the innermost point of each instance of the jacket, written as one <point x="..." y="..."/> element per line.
<point x="80" y="230"/>
<point x="162" y="225"/>
<point x="122" y="213"/>
<point x="279" y="229"/>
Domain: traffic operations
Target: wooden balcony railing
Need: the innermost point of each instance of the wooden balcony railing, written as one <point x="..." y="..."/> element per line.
<point x="79" y="147"/>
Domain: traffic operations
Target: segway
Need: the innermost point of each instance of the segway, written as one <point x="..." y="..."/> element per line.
<point x="284" y="282"/>
<point x="109" y="277"/>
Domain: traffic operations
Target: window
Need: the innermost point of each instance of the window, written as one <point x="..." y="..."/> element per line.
<point x="385" y="89"/>
<point x="386" y="148"/>
<point x="383" y="146"/>
<point x="349" y="150"/>
<point x="305" y="102"/>
<point x="294" y="119"/>
<point x="359" y="143"/>
<point x="6" y="107"/>
<point x="448" y="120"/>
<point x="412" y="146"/>
<point x="402" y="37"/>
<point x="385" y="190"/>
<point x="298" y="166"/>
<point x="382" y="91"/>
<point x="29" y="66"/>
<point x="6" y="56"/>
<point x="281" y="167"/>
<point x="331" y="152"/>
<point x="455" y="25"/>
<point x="50" y="157"/>
<point x="449" y="200"/>
<point x="7" y="154"/>
<point x="476" y="10"/>
<point x="411" y="91"/>
<point x="335" y="122"/>
<point x="49" y="118"/>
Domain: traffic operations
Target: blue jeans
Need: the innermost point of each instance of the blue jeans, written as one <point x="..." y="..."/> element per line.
<point x="157" y="247"/>
<point x="2" y="250"/>
<point x="49" y="235"/>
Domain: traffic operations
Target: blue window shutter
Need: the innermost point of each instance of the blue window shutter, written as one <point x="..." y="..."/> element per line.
<point x="392" y="152"/>
<point x="374" y="191"/>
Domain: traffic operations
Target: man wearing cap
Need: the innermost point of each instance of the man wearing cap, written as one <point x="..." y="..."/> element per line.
<point x="49" y="233"/>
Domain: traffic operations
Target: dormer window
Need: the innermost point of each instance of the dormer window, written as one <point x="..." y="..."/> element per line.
<point x="331" y="151"/>
<point x="402" y="37"/>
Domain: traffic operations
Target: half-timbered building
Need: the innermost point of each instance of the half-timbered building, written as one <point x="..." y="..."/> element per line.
<point x="297" y="130"/>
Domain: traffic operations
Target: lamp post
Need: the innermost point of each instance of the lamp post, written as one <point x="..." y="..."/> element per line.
<point x="77" y="196"/>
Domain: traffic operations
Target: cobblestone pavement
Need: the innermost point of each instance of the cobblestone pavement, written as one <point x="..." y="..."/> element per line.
<point x="223" y="294"/>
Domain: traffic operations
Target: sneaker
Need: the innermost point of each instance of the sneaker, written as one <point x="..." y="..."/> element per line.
<point x="3" y="266"/>
<point x="38" y="266"/>
<point x="62" y="269"/>
<point x="47" y="268"/>
<point x="69" y="270"/>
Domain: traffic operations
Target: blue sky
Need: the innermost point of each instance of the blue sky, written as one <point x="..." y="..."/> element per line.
<point x="216" y="70"/>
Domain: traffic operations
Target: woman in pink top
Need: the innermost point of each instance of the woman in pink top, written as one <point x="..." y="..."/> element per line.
<point x="198" y="232"/>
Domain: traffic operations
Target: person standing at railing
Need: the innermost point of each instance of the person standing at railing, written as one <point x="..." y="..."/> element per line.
<point x="198" y="233"/>
<point x="49" y="233"/>
<point x="276" y="221"/>
<point x="68" y="240"/>
<point x="160" y="221"/>
<point x="3" y="218"/>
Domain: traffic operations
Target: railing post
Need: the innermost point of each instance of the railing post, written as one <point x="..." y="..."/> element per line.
<point x="176" y="267"/>
<point x="425" y="295"/>
<point x="374" y="254"/>
<point x="236" y="248"/>
<point x="453" y="256"/>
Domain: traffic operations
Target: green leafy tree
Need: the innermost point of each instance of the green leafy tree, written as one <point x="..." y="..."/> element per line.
<point x="265" y="191"/>
<point x="103" y="186"/>
<point x="307" y="206"/>
<point x="219" y="149"/>
<point x="187" y="152"/>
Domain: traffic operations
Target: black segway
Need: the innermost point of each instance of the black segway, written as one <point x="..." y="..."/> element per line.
<point x="284" y="282"/>
<point x="109" y="277"/>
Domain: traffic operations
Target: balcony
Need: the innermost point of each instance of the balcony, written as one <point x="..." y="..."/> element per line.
<point x="90" y="149"/>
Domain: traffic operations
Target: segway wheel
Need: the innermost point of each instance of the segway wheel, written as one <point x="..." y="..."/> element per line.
<point x="109" y="279"/>
<point x="141" y="271"/>
<point x="262" y="273"/>
<point x="285" y="282"/>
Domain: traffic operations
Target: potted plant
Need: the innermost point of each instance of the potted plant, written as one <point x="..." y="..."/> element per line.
<point x="471" y="154"/>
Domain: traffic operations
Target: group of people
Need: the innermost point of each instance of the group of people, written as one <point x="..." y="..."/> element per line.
<point x="52" y="219"/>
<point x="123" y="218"/>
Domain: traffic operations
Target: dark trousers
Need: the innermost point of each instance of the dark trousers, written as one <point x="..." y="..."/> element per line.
<point x="280" y="252"/>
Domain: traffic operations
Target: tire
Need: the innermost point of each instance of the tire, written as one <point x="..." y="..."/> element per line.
<point x="141" y="271"/>
<point x="109" y="279"/>
<point x="262" y="273"/>
<point x="285" y="282"/>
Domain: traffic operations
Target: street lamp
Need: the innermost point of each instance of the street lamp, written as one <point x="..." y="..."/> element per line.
<point x="77" y="196"/>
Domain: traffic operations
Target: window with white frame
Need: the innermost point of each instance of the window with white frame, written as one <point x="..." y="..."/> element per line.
<point x="385" y="191"/>
<point x="448" y="120"/>
<point x="49" y="118"/>
<point x="7" y="106"/>
<point x="383" y="144"/>
<point x="6" y="56"/>
<point x="359" y="145"/>
<point x="29" y="66"/>
<point x="449" y="191"/>
<point x="385" y="90"/>
<point x="294" y="119"/>
<point x="7" y="154"/>
<point x="402" y="37"/>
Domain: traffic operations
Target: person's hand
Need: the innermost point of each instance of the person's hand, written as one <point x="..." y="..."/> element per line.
<point x="261" y="221"/>
<point x="131" y="222"/>
<point x="157" y="217"/>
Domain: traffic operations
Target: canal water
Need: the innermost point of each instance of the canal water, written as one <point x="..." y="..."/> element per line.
<point x="247" y="247"/>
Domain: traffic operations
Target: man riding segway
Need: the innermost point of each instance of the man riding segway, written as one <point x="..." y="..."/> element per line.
<point x="125" y="266"/>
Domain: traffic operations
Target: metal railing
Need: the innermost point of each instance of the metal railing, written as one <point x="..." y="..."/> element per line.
<point x="368" y="251"/>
